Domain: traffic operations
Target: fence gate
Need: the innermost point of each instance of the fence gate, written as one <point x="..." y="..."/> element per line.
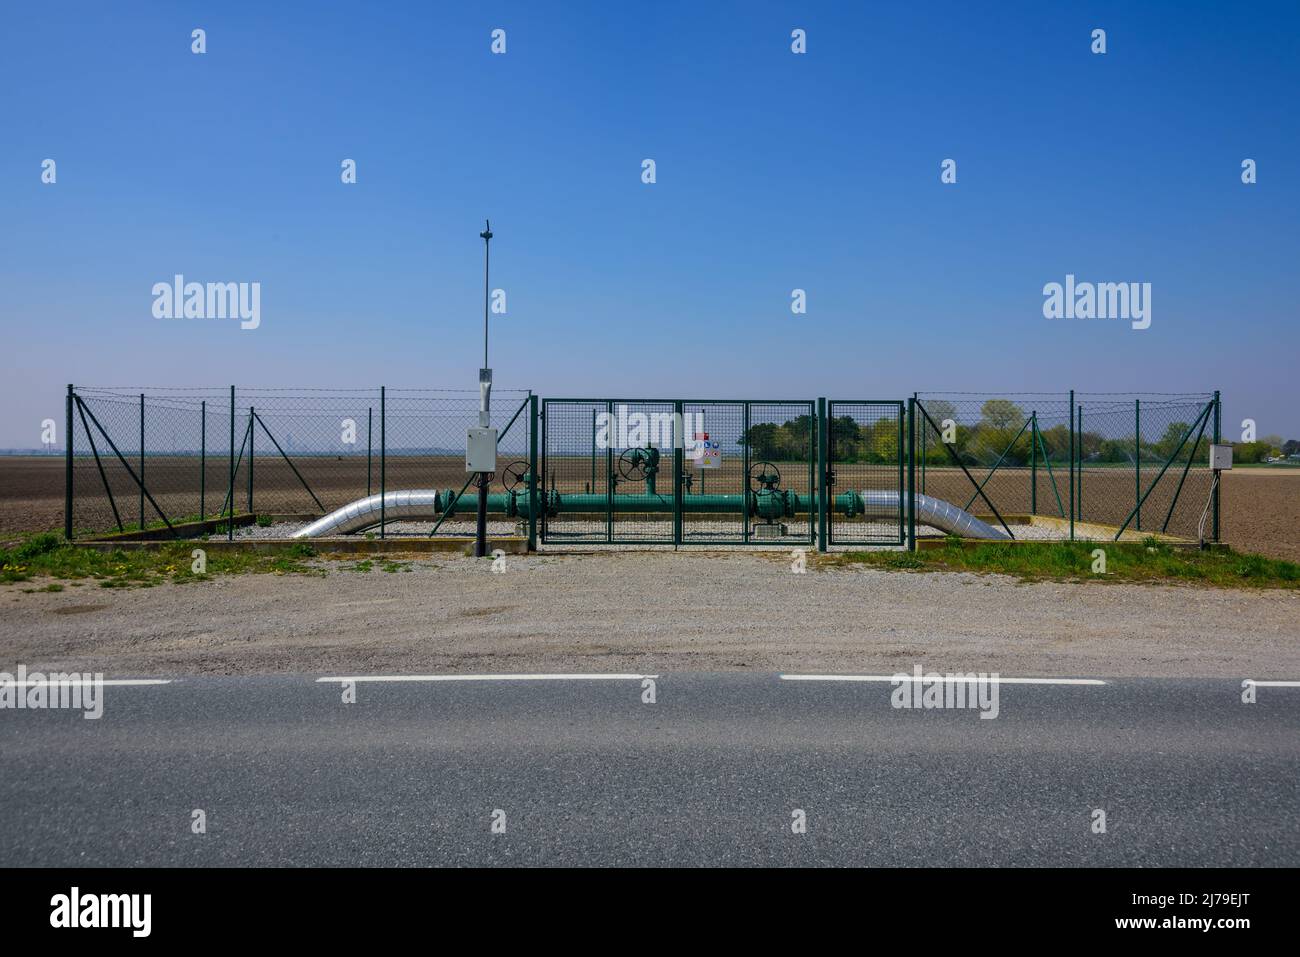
<point x="678" y="471"/>
<point x="865" y="450"/>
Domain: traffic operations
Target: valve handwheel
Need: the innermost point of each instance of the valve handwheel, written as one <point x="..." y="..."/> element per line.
<point x="767" y="469"/>
<point x="631" y="464"/>
<point x="513" y="474"/>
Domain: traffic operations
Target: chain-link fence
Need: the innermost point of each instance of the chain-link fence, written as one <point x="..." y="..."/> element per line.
<point x="624" y="471"/>
<point x="1046" y="465"/>
<point x="158" y="457"/>
<point x="1097" y="462"/>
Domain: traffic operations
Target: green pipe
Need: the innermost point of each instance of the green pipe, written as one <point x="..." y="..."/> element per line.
<point x="514" y="504"/>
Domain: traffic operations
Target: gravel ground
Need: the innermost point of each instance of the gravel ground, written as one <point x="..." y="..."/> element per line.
<point x="580" y="531"/>
<point x="650" y="612"/>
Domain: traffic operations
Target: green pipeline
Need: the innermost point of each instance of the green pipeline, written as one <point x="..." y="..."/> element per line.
<point x="763" y="503"/>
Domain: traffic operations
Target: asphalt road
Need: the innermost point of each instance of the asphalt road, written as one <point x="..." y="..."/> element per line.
<point x="711" y="773"/>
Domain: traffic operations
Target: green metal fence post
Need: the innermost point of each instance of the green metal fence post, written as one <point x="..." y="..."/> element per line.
<point x="370" y="427"/>
<point x="1137" y="461"/>
<point x="230" y="494"/>
<point x="593" y="451"/>
<point x="252" y="417"/>
<point x="67" y="469"/>
<point x="142" y="461"/>
<point x="814" y="440"/>
<point x="679" y="454"/>
<point x="1071" y="465"/>
<point x="609" y="471"/>
<point x="923" y="431"/>
<point x="383" y="458"/>
<point x="203" y="459"/>
<point x="1078" y="495"/>
<point x="823" y="468"/>
<point x="1218" y="437"/>
<point x="902" y="451"/>
<point x="532" y="473"/>
<point x="1033" y="464"/>
<point x="911" y="474"/>
<point x="744" y="475"/>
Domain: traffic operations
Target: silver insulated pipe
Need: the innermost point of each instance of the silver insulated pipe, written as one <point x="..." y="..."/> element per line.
<point x="931" y="511"/>
<point x="364" y="512"/>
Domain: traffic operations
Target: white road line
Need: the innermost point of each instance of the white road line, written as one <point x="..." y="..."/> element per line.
<point x="116" y="682"/>
<point x="1273" y="684"/>
<point x="537" y="677"/>
<point x="945" y="678"/>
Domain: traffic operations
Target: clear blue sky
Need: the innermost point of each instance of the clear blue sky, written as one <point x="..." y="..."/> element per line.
<point x="775" y="171"/>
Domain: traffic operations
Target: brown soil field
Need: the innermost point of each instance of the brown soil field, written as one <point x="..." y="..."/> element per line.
<point x="1260" y="507"/>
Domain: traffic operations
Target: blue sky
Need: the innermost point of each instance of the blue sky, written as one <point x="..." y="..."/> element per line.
<point x="775" y="171"/>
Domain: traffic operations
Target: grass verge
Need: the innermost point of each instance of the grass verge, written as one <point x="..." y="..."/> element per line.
<point x="46" y="555"/>
<point x="1149" y="561"/>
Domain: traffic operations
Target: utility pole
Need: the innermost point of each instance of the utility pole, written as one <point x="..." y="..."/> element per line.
<point x="481" y="443"/>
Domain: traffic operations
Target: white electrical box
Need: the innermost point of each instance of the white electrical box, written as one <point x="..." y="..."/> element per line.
<point x="1220" y="457"/>
<point x="481" y="450"/>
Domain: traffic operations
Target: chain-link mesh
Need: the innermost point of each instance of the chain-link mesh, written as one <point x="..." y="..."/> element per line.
<point x="718" y="477"/>
<point x="1105" y="461"/>
<point x="609" y="470"/>
<point x="1128" y="449"/>
<point x="297" y="453"/>
<point x="575" y="468"/>
<point x="784" y="435"/>
<point x="865" y="449"/>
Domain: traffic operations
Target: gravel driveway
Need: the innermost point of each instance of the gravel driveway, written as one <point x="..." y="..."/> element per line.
<point x="651" y="612"/>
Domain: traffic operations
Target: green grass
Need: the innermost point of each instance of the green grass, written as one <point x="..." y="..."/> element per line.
<point x="46" y="556"/>
<point x="1150" y="561"/>
<point x="386" y="564"/>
